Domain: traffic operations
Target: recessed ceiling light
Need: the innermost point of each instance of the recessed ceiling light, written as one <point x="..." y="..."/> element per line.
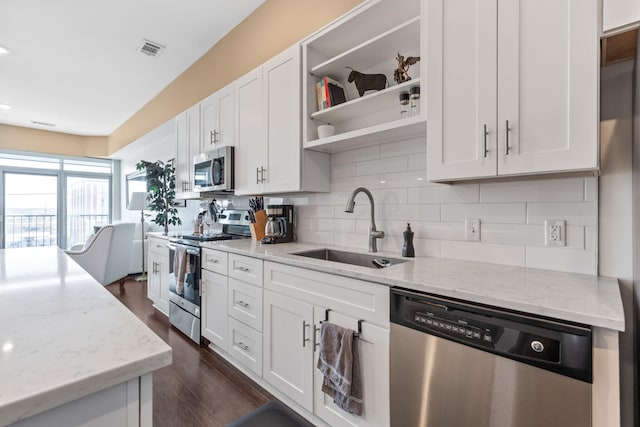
<point x="5" y="107"/>
<point x="4" y="50"/>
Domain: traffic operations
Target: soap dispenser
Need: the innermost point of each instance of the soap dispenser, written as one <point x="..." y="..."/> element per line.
<point x="407" y="246"/>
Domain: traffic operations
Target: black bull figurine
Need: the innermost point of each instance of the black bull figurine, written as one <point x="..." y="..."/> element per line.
<point x="365" y="82"/>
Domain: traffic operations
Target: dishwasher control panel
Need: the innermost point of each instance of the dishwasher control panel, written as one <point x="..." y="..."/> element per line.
<point x="482" y="334"/>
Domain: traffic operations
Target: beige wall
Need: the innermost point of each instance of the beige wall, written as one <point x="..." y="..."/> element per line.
<point x="40" y="141"/>
<point x="274" y="26"/>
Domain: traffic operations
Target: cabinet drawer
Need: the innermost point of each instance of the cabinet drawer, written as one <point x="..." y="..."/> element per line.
<point x="362" y="300"/>
<point x="215" y="261"/>
<point x="245" y="345"/>
<point x="158" y="246"/>
<point x="245" y="303"/>
<point x="245" y="268"/>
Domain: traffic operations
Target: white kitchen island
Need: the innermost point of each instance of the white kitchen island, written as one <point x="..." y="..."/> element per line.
<point x="70" y="353"/>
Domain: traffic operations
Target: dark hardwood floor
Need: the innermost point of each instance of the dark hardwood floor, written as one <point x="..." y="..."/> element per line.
<point x="199" y="388"/>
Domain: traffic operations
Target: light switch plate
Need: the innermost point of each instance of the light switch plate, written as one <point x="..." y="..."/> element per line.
<point x="472" y="229"/>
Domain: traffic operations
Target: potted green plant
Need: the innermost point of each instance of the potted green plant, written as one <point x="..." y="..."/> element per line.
<point x="161" y="192"/>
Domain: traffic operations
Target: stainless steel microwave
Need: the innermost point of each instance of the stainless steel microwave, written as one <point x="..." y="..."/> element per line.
<point x="213" y="170"/>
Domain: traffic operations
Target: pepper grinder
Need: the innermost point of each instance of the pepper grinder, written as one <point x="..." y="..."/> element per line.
<point x="407" y="246"/>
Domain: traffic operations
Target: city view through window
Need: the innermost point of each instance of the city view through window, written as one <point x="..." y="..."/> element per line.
<point x="39" y="211"/>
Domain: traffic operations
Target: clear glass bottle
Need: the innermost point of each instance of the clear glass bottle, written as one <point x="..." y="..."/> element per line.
<point x="404" y="105"/>
<point x="414" y="95"/>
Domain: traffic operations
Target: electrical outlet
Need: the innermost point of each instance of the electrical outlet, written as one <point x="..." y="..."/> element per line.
<point x="472" y="229"/>
<point x="554" y="232"/>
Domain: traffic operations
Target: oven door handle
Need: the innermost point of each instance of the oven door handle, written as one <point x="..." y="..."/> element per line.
<point x="190" y="251"/>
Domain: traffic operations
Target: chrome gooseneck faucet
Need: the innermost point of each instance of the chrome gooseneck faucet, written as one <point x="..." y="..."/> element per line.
<point x="373" y="233"/>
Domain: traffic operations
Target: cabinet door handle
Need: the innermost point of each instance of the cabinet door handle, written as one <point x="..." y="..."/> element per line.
<point x="262" y="171"/>
<point x="242" y="268"/>
<point x="304" y="333"/>
<point x="214" y="136"/>
<point x="212" y="260"/>
<point x="316" y="342"/>
<point x="257" y="175"/>
<point x="242" y="304"/>
<point x="484" y="136"/>
<point x="506" y="138"/>
<point x="243" y="346"/>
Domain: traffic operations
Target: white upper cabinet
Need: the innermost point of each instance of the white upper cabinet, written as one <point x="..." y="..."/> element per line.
<point x="368" y="40"/>
<point x="188" y="131"/>
<point x="269" y="156"/>
<point x="218" y="119"/>
<point x="251" y="147"/>
<point x="513" y="87"/>
<point x="617" y="14"/>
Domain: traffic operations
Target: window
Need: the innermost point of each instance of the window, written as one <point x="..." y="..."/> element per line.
<point x="52" y="200"/>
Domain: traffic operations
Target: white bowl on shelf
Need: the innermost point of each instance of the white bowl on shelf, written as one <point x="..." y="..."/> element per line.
<point x="325" y="131"/>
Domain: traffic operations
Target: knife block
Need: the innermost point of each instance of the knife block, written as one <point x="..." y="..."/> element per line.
<point x="257" y="228"/>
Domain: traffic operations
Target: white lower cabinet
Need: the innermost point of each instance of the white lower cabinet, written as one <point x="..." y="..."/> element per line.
<point x="214" y="308"/>
<point x="288" y="356"/>
<point x="295" y="303"/>
<point x="244" y="303"/>
<point x="373" y="350"/>
<point x="158" y="274"/>
<point x="245" y="345"/>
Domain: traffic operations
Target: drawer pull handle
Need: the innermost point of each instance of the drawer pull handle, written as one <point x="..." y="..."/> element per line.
<point x="242" y="346"/>
<point x="245" y="269"/>
<point x="212" y="260"/>
<point x="243" y="304"/>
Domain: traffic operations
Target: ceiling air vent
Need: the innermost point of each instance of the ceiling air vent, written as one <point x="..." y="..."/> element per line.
<point x="150" y="48"/>
<point x="42" y="123"/>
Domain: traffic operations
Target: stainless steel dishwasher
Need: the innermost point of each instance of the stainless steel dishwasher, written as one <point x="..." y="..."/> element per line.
<point x="458" y="364"/>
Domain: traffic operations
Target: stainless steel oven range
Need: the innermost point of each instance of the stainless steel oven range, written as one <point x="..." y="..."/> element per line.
<point x="184" y="271"/>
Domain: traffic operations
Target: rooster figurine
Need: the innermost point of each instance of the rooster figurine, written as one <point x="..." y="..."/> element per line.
<point x="400" y="75"/>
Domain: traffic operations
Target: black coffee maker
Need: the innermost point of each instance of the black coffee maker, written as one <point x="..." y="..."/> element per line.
<point x="279" y="228"/>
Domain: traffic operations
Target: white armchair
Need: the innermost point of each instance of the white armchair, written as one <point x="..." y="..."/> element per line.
<point x="107" y="254"/>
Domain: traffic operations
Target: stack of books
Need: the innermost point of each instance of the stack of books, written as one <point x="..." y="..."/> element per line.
<point x="329" y="93"/>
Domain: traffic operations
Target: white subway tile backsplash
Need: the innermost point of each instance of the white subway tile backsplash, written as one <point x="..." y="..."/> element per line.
<point x="410" y="212"/>
<point x="406" y="147"/>
<point x="591" y="189"/>
<point x="484" y="252"/>
<point x="417" y="162"/>
<point x="562" y="259"/>
<point x="371" y="182"/>
<point x="403" y="179"/>
<point x="443" y="193"/>
<point x="506" y="213"/>
<point x="427" y="247"/>
<point x="585" y="213"/>
<point x="320" y="237"/>
<point x="381" y="166"/>
<point x="358" y="155"/>
<point x="591" y="238"/>
<point x="536" y="190"/>
<point x="512" y="212"/>
<point x="343" y="170"/>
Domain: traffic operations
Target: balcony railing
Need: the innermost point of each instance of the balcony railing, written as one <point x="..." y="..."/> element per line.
<point x="42" y="230"/>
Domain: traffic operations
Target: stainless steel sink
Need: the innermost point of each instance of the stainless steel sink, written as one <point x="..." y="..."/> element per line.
<point x="353" y="258"/>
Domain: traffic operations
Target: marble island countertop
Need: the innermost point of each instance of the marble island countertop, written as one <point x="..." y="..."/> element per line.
<point x="580" y="298"/>
<point x="63" y="335"/>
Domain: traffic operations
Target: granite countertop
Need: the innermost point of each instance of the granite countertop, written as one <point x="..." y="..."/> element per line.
<point x="63" y="335"/>
<point x="580" y="298"/>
